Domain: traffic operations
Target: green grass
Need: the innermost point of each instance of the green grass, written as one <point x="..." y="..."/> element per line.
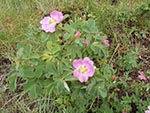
<point x="18" y="17"/>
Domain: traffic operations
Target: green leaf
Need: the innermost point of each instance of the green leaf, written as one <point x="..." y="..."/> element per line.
<point x="103" y="93"/>
<point x="27" y="71"/>
<point x="101" y="85"/>
<point x="69" y="28"/>
<point x="90" y="27"/>
<point x="66" y="16"/>
<point x="86" y="29"/>
<point x="103" y="37"/>
<point x="76" y="52"/>
<point x="35" y="56"/>
<point x="53" y="47"/>
<point x="49" y="45"/>
<point x="67" y="36"/>
<point x="60" y="67"/>
<point x="13" y="80"/>
<point x="105" y="108"/>
<point x="44" y="37"/>
<point x="39" y="90"/>
<point x="91" y="86"/>
<point x="66" y="86"/>
<point x="148" y="73"/>
<point x="70" y="78"/>
<point x="59" y="100"/>
<point x="39" y="70"/>
<point x="50" y="88"/>
<point x="20" y="52"/>
<point x="59" y="85"/>
<point x="51" y="69"/>
<point x="46" y="82"/>
<point x="32" y="92"/>
<point x="28" y="85"/>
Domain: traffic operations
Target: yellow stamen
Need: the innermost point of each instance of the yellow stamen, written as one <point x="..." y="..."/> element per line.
<point x="83" y="69"/>
<point x="53" y="20"/>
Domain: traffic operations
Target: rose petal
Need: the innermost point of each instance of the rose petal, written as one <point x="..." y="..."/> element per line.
<point x="48" y="28"/>
<point x="45" y="20"/>
<point x="77" y="63"/>
<point x="147" y="111"/>
<point x="76" y="73"/>
<point x="57" y="15"/>
<point x="86" y="59"/>
<point x="83" y="78"/>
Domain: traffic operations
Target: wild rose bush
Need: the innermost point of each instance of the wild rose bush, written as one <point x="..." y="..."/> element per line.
<point x="68" y="61"/>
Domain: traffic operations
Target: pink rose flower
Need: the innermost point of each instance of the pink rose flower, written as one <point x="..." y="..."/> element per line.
<point x="106" y="42"/>
<point x="84" y="69"/>
<point x="86" y="42"/>
<point x="148" y="111"/>
<point x="49" y="22"/>
<point x="142" y="76"/>
<point x="78" y="34"/>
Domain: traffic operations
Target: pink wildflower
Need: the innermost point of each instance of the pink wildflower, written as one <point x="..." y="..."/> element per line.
<point x="86" y="42"/>
<point x="114" y="77"/>
<point x="84" y="69"/>
<point x="142" y="76"/>
<point x="106" y="42"/>
<point x="148" y="111"/>
<point x="78" y="34"/>
<point x="49" y="22"/>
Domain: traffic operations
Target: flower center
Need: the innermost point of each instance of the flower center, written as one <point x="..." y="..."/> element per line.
<point x="53" y="20"/>
<point x="83" y="69"/>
